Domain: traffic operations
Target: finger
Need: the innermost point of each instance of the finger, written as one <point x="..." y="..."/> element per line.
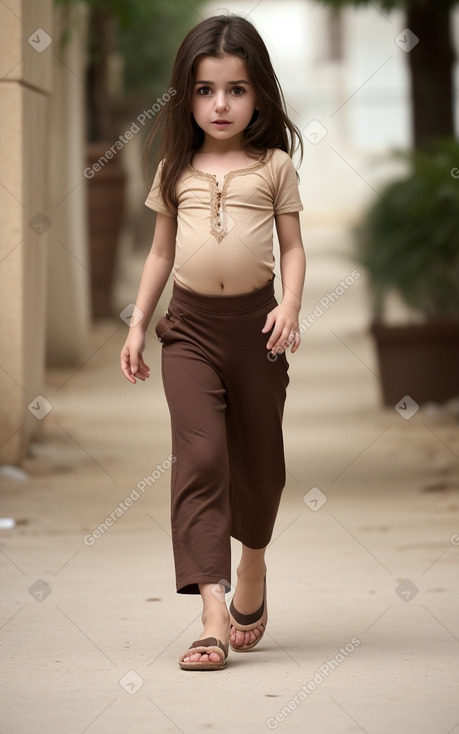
<point x="293" y="338"/>
<point x="279" y="338"/>
<point x="268" y="323"/>
<point x="127" y="373"/>
<point x="144" y="367"/>
<point x="134" y="363"/>
<point x="275" y="336"/>
<point x="125" y="367"/>
<point x="296" y="343"/>
<point x="143" y="372"/>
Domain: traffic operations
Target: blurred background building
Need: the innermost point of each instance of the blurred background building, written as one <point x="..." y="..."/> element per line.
<point x="79" y="79"/>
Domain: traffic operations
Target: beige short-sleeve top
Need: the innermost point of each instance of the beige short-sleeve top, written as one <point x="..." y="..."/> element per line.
<point x="224" y="243"/>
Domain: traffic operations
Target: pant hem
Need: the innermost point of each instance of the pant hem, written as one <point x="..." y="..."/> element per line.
<point x="190" y="586"/>
<point x="250" y="544"/>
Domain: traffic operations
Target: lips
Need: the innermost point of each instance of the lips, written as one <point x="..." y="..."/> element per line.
<point x="221" y="123"/>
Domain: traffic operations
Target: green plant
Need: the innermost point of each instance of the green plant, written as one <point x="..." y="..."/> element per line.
<point x="123" y="12"/>
<point x="408" y="241"/>
<point x="145" y="35"/>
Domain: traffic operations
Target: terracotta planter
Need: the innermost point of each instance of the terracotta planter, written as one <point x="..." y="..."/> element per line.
<point x="106" y="191"/>
<point x="420" y="360"/>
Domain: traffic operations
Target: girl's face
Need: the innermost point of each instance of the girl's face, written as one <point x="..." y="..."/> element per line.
<point x="223" y="98"/>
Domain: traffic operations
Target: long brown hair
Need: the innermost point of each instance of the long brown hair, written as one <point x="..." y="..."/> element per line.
<point x="180" y="136"/>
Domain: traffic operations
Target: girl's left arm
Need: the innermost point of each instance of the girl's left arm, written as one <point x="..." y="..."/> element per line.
<point x="285" y="317"/>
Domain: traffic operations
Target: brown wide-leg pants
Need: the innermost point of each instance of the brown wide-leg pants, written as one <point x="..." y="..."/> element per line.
<point x="226" y="396"/>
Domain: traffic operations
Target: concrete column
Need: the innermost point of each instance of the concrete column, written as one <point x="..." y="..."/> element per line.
<point x="26" y="51"/>
<point x="68" y="296"/>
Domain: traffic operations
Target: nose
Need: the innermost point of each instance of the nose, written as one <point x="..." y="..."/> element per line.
<point x="221" y="102"/>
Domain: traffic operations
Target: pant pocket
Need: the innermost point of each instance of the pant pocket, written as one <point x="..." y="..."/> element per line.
<point x="166" y="323"/>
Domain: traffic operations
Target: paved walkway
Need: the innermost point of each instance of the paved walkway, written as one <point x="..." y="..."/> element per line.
<point x="363" y="596"/>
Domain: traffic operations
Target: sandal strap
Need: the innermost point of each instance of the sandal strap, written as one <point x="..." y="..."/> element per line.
<point x="210" y="642"/>
<point x="247" y="619"/>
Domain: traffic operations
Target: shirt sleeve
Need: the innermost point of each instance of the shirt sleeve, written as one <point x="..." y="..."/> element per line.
<point x="287" y="195"/>
<point x="154" y="199"/>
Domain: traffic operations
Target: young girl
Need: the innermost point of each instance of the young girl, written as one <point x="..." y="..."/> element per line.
<point x="225" y="175"/>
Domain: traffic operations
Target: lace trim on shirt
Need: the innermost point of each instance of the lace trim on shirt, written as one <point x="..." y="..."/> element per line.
<point x="220" y="221"/>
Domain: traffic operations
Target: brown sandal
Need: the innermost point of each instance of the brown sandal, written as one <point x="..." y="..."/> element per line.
<point x="247" y="622"/>
<point x="207" y="645"/>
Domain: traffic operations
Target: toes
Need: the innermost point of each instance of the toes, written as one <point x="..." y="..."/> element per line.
<point x="234" y="636"/>
<point x="239" y="638"/>
<point x="202" y="657"/>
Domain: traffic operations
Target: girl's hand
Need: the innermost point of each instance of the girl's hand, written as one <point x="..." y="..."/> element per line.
<point x="286" y="331"/>
<point x="131" y="357"/>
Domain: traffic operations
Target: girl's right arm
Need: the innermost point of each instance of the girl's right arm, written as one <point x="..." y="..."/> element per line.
<point x="155" y="275"/>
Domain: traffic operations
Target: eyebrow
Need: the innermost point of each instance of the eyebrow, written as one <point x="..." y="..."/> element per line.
<point x="239" y="81"/>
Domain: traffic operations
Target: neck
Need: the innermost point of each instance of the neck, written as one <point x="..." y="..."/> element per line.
<point x="235" y="145"/>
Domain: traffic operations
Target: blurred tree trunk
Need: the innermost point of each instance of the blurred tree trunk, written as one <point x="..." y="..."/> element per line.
<point x="101" y="122"/>
<point x="431" y="64"/>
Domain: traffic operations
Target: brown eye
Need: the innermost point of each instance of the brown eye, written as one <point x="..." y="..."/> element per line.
<point x="204" y="91"/>
<point x="238" y="91"/>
